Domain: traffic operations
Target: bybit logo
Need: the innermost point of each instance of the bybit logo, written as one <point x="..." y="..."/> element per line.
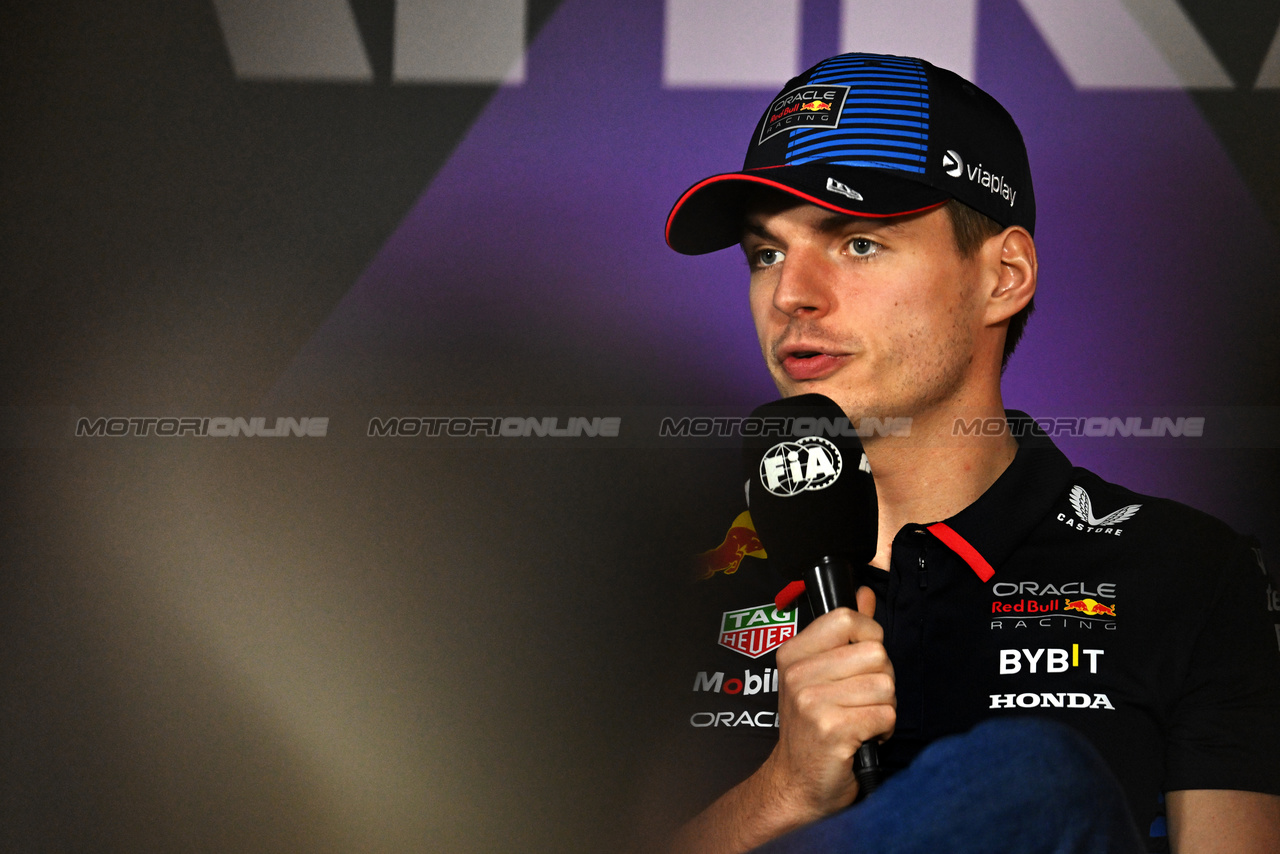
<point x="1055" y="660"/>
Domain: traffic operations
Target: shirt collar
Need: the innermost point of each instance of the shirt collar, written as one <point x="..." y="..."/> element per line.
<point x="985" y="533"/>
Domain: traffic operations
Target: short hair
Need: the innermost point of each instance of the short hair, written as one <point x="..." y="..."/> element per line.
<point x="971" y="230"/>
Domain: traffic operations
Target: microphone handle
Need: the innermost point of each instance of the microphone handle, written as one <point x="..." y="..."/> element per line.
<point x="866" y="768"/>
<point x="829" y="585"/>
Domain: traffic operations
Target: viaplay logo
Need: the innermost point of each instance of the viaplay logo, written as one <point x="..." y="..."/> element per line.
<point x="953" y="164"/>
<point x="758" y="630"/>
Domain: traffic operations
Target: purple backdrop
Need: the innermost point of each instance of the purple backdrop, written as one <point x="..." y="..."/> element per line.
<point x="543" y="235"/>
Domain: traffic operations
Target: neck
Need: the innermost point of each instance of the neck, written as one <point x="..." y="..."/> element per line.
<point x="932" y="474"/>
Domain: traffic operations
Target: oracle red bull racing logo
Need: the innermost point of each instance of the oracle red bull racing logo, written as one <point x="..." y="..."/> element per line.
<point x="805" y="106"/>
<point x="756" y="631"/>
<point x="1074" y="604"/>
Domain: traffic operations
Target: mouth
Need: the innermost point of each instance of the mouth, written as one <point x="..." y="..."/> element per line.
<point x="803" y="362"/>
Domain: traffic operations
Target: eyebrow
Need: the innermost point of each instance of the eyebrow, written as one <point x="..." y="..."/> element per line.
<point x="753" y="226"/>
<point x="828" y="224"/>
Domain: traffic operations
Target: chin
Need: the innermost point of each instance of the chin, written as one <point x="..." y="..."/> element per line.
<point x="788" y="387"/>
<point x="792" y="389"/>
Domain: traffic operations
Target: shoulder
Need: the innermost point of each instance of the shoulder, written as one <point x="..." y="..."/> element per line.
<point x="1157" y="527"/>
<point x="1178" y="560"/>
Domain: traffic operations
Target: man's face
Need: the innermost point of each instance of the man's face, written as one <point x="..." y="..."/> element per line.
<point x="879" y="315"/>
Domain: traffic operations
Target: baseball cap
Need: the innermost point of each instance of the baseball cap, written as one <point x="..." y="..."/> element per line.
<point x="873" y="136"/>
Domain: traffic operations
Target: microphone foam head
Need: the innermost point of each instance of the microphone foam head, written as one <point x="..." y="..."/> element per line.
<point x="809" y="488"/>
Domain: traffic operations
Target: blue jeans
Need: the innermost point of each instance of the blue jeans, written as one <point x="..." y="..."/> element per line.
<point x="1017" y="784"/>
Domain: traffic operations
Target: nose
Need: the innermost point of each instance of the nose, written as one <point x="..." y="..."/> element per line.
<point x="804" y="285"/>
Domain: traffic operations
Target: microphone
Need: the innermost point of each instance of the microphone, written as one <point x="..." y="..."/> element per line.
<point x="813" y="502"/>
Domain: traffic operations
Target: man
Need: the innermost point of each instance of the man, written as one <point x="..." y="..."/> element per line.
<point x="887" y="216"/>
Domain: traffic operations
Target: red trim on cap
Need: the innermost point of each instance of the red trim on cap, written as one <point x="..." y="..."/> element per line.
<point x="960" y="546"/>
<point x="737" y="176"/>
<point x="788" y="595"/>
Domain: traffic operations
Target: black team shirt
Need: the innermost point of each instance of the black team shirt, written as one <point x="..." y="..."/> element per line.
<point x="1144" y="624"/>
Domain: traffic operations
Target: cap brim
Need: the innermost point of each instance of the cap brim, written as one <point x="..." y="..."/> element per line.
<point x="709" y="215"/>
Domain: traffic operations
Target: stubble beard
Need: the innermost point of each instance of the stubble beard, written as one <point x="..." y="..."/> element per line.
<point x="924" y="390"/>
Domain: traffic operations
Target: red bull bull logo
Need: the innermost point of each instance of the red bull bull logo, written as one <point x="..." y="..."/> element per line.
<point x="815" y="106"/>
<point x="1092" y="607"/>
<point x="740" y="541"/>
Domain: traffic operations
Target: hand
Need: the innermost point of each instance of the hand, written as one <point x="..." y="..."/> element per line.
<point x="836" y="690"/>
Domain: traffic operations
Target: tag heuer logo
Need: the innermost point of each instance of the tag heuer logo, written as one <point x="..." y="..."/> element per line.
<point x="1084" y="509"/>
<point x="755" y="631"/>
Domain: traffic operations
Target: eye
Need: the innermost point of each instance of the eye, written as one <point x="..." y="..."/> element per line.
<point x="863" y="247"/>
<point x="766" y="258"/>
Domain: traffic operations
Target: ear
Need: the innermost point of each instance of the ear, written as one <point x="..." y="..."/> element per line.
<point x="1011" y="256"/>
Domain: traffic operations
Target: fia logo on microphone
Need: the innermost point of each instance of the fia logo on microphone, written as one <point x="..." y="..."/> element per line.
<point x="789" y="468"/>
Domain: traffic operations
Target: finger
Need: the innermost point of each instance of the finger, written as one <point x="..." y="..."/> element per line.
<point x="836" y="628"/>
<point x="853" y="692"/>
<point x="836" y="664"/>
<point x="866" y="602"/>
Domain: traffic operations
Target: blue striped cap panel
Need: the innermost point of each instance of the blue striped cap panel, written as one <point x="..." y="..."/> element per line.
<point x="885" y="120"/>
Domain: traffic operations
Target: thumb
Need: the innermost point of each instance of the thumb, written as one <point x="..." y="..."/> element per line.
<point x="866" y="602"/>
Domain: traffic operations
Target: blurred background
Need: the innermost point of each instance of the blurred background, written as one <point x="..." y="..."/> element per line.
<point x="366" y="210"/>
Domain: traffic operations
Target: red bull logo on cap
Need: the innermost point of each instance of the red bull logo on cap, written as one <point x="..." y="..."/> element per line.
<point x="740" y="541"/>
<point x="804" y="106"/>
